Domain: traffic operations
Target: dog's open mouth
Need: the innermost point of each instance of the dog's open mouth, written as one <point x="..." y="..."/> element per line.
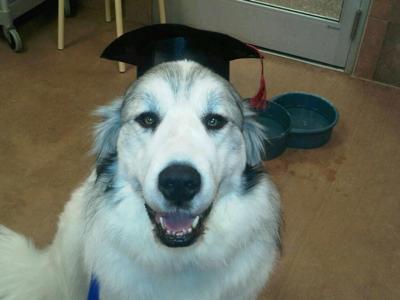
<point x="177" y="229"/>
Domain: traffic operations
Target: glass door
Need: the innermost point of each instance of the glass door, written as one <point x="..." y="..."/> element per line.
<point x="330" y="9"/>
<point x="324" y="31"/>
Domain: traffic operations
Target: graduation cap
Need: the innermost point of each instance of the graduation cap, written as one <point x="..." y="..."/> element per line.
<point x="151" y="45"/>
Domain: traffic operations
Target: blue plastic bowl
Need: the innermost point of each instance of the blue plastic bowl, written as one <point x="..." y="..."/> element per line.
<point x="276" y="122"/>
<point x="312" y="119"/>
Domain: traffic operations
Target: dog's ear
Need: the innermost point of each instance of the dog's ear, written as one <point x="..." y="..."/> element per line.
<point x="254" y="137"/>
<point x="106" y="132"/>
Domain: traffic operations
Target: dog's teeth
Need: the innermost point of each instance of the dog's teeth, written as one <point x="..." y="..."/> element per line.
<point x="195" y="222"/>
<point x="169" y="232"/>
<point x="162" y="222"/>
<point x="189" y="230"/>
<point x="179" y="233"/>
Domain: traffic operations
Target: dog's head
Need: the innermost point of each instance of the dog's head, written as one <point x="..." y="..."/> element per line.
<point x="181" y="138"/>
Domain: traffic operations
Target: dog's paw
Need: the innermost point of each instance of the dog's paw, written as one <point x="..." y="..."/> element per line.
<point x="16" y="254"/>
<point x="5" y="232"/>
<point x="10" y="242"/>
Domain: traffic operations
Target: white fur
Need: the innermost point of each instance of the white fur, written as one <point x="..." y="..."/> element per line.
<point x="109" y="234"/>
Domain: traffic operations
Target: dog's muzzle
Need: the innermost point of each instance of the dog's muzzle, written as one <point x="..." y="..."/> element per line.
<point x="179" y="184"/>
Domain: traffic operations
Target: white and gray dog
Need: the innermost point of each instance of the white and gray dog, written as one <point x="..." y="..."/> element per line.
<point x="178" y="206"/>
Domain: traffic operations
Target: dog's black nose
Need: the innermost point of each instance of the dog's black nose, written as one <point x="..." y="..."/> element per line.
<point x="179" y="183"/>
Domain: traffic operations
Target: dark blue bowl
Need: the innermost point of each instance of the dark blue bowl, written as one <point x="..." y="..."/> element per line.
<point x="276" y="122"/>
<point x="312" y="119"/>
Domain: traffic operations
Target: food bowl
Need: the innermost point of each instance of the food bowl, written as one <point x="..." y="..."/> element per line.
<point x="276" y="122"/>
<point x="312" y="119"/>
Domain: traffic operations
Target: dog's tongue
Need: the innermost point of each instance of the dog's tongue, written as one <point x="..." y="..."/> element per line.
<point x="177" y="221"/>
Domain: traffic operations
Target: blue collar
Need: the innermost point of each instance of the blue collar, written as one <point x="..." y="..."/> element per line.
<point x="94" y="288"/>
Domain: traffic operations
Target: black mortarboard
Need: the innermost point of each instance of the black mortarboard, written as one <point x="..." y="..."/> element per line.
<point x="151" y="45"/>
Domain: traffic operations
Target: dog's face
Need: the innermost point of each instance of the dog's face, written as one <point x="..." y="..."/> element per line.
<point x="181" y="138"/>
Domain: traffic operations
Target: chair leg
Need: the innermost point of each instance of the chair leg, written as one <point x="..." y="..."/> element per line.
<point x="61" y="17"/>
<point x="120" y="28"/>
<point x="161" y="9"/>
<point x="108" y="10"/>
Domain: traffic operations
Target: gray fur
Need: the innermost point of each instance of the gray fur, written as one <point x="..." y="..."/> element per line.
<point x="106" y="132"/>
<point x="254" y="137"/>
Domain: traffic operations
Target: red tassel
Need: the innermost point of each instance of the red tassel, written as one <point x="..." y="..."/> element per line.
<point x="259" y="101"/>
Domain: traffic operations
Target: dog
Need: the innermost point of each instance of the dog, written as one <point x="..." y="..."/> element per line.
<point x="177" y="206"/>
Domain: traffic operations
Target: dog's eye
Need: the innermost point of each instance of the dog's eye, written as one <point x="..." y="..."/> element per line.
<point x="214" y="121"/>
<point x="147" y="120"/>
